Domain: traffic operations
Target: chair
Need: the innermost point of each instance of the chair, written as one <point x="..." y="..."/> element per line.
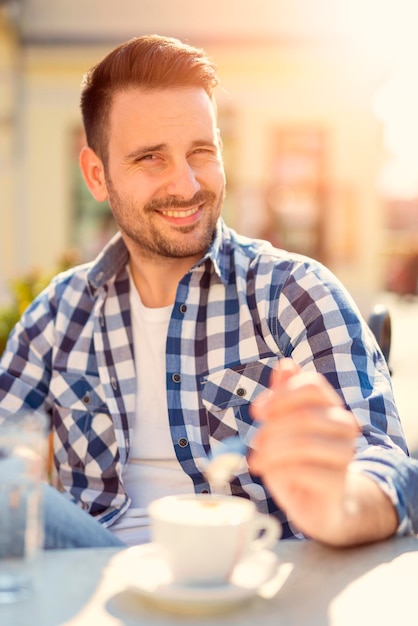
<point x="380" y="324"/>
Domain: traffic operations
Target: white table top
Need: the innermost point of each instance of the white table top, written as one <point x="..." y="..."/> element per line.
<point x="376" y="584"/>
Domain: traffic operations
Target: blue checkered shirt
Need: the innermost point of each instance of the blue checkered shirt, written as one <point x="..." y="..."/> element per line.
<point x="240" y="309"/>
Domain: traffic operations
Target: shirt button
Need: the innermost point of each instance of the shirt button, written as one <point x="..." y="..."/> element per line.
<point x="176" y="377"/>
<point x="114" y="383"/>
<point x="183" y="308"/>
<point x="183" y="443"/>
<point x="241" y="392"/>
<point x="86" y="399"/>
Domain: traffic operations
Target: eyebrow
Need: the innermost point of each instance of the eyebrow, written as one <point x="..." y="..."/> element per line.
<point x="138" y="152"/>
<point x="146" y="149"/>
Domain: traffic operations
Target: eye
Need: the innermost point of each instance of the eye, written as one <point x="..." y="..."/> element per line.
<point x="205" y="150"/>
<point x="204" y="154"/>
<point x="146" y="157"/>
<point x="150" y="160"/>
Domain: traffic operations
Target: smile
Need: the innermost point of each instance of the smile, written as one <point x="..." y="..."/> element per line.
<point x="180" y="213"/>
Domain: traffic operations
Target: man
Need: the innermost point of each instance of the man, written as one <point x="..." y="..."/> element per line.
<point x="167" y="343"/>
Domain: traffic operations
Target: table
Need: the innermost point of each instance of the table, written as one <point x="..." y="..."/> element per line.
<point x="319" y="586"/>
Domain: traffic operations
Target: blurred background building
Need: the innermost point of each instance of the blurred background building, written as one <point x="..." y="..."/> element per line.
<point x="317" y="108"/>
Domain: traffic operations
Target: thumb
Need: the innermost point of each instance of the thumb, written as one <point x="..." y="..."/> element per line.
<point x="284" y="371"/>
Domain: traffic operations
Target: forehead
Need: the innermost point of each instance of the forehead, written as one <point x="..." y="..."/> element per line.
<point x="157" y="114"/>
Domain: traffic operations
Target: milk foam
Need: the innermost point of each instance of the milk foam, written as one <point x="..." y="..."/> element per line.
<point x="201" y="513"/>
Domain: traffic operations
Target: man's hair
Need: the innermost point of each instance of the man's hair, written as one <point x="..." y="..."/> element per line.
<point x="148" y="62"/>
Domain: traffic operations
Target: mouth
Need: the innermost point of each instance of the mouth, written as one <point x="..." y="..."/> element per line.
<point x="180" y="212"/>
<point x="182" y="217"/>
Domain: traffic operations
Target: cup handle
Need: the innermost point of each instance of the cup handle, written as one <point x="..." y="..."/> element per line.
<point x="271" y="532"/>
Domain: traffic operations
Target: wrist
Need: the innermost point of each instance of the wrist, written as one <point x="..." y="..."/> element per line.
<point x="366" y="514"/>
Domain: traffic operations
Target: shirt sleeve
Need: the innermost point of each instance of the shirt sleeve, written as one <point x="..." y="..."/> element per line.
<point x="321" y="328"/>
<point x="397" y="476"/>
<point x="25" y="366"/>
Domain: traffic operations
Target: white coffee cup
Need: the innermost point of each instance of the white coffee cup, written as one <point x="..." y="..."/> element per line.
<point x="202" y="537"/>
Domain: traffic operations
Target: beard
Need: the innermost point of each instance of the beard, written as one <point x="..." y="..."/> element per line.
<point x="152" y="238"/>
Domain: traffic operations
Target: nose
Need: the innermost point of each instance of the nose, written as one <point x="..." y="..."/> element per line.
<point x="182" y="181"/>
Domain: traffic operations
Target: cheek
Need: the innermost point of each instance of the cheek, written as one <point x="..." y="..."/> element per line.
<point x="146" y="186"/>
<point x="215" y="178"/>
<point x="137" y="191"/>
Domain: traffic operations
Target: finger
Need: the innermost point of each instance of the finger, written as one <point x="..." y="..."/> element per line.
<point x="316" y="384"/>
<point x="300" y="451"/>
<point x="307" y="389"/>
<point x="284" y="370"/>
<point x="330" y="422"/>
<point x="308" y="496"/>
<point x="305" y="436"/>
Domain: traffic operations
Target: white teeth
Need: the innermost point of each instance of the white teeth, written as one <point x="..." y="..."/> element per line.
<point x="172" y="213"/>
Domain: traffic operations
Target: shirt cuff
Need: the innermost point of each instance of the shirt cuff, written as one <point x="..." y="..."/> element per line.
<point x="397" y="475"/>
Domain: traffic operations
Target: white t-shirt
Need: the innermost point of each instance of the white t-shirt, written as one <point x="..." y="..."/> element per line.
<point x="153" y="470"/>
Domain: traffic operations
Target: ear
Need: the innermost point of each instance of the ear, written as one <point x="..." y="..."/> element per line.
<point x="93" y="172"/>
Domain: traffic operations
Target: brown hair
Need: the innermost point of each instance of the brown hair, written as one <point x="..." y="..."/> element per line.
<point x="150" y="62"/>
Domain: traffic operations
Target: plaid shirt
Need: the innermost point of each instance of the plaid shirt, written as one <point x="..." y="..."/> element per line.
<point x="240" y="309"/>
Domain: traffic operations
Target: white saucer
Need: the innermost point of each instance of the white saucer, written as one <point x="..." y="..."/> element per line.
<point x="143" y="570"/>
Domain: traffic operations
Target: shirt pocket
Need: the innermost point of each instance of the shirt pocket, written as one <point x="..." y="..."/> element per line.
<point x="83" y="428"/>
<point x="228" y="393"/>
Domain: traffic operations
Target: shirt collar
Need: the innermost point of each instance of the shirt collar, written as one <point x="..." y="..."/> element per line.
<point x="114" y="257"/>
<point x="218" y="252"/>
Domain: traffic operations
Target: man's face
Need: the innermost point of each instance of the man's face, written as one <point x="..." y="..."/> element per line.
<point x="164" y="176"/>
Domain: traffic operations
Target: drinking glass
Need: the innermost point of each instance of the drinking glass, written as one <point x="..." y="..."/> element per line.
<point x="22" y="464"/>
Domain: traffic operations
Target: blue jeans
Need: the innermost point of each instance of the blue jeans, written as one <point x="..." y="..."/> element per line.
<point x="68" y="526"/>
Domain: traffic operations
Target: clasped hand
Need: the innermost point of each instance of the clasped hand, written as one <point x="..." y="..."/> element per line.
<point x="303" y="450"/>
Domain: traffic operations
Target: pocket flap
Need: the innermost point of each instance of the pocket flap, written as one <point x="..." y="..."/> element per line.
<point x="70" y="389"/>
<point x="236" y="385"/>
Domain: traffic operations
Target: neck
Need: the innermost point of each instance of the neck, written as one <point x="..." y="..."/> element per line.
<point x="156" y="280"/>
